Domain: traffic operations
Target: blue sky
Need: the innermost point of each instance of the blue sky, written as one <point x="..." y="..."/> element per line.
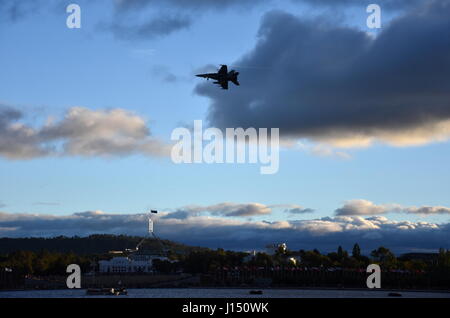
<point x="48" y="69"/>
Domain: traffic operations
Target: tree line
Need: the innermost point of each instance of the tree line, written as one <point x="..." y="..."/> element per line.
<point x="207" y="261"/>
<point x="53" y="256"/>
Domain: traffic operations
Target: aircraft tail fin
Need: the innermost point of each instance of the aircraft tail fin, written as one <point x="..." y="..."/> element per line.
<point x="234" y="78"/>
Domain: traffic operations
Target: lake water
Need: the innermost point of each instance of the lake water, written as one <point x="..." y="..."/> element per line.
<point x="222" y="293"/>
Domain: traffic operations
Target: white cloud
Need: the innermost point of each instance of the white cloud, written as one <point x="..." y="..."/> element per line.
<point x="82" y="132"/>
<point x="365" y="207"/>
<point x="361" y="207"/>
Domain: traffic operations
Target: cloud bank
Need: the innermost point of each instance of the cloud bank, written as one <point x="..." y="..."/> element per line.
<point x="82" y="132"/>
<point x="324" y="233"/>
<point x="339" y="86"/>
<point x="231" y="209"/>
<point x="365" y="207"/>
<point x="226" y="209"/>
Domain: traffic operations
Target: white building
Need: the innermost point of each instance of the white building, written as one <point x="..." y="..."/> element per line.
<point x="272" y="249"/>
<point x="251" y="255"/>
<point x="136" y="264"/>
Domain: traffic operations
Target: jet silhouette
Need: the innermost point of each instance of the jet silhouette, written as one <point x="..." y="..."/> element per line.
<point x="222" y="77"/>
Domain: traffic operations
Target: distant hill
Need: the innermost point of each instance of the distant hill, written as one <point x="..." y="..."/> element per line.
<point x="93" y="244"/>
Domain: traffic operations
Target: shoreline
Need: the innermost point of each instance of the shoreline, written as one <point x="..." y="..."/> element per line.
<point x="260" y="288"/>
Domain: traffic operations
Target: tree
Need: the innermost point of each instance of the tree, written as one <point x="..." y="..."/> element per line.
<point x="340" y="252"/>
<point x="384" y="256"/>
<point x="356" y="252"/>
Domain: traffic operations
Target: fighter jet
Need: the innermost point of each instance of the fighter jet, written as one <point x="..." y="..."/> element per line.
<point x="222" y="77"/>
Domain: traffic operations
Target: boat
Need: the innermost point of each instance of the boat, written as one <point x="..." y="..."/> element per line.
<point x="106" y="291"/>
<point x="256" y="292"/>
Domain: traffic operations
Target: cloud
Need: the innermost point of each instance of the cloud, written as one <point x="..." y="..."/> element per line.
<point x="163" y="72"/>
<point x="365" y="207"/>
<point x="162" y="25"/>
<point x="299" y="210"/>
<point x="153" y="19"/>
<point x="2" y="205"/>
<point x="428" y="210"/>
<point x="232" y="209"/>
<point x="182" y="213"/>
<point x="361" y="207"/>
<point x="336" y="85"/>
<point x="18" y="141"/>
<point x="226" y="209"/>
<point x="82" y="132"/>
<point x="131" y="19"/>
<point x="183" y="4"/>
<point x="325" y="233"/>
<point x="13" y="10"/>
<point x="292" y="208"/>
<point x="384" y="4"/>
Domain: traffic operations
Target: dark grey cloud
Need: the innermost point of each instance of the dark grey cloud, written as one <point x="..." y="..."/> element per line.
<point x="190" y="4"/>
<point x="299" y="210"/>
<point x="341" y="86"/>
<point x="229" y="209"/>
<point x="18" y="140"/>
<point x="131" y="19"/>
<point x="14" y="10"/>
<point x="292" y="209"/>
<point x="325" y="233"/>
<point x="8" y="114"/>
<point x="82" y="132"/>
<point x="162" y="25"/>
<point x="384" y="4"/>
<point x="427" y="210"/>
<point x="152" y="19"/>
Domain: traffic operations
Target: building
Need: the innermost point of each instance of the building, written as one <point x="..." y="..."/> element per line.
<point x="251" y="256"/>
<point x="133" y="264"/>
<point x="137" y="262"/>
<point x="272" y="249"/>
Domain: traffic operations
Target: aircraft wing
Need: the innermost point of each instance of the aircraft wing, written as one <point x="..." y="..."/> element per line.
<point x="224" y="84"/>
<point x="223" y="70"/>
